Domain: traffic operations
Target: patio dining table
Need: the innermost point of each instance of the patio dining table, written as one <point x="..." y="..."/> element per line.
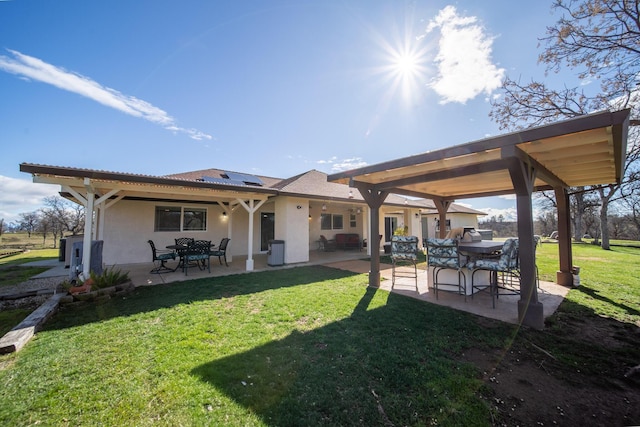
<point x="182" y="251"/>
<point x="482" y="247"/>
<point x="473" y="250"/>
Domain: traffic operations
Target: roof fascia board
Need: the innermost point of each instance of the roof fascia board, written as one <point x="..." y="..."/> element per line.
<point x="137" y="189"/>
<point x="574" y="125"/>
<point x="619" y="133"/>
<point x="140" y="189"/>
<point x="140" y="179"/>
<point x="473" y="169"/>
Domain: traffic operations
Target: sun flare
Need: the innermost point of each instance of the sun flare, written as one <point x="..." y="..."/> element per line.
<point x="407" y="64"/>
<point x="404" y="66"/>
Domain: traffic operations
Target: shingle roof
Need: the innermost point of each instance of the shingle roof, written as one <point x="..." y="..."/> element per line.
<point x="269" y="182"/>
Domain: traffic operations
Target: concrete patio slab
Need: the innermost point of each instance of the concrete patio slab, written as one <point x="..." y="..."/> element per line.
<point x="506" y="310"/>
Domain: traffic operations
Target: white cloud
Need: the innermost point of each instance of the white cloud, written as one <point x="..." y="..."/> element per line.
<point x="327" y="162"/>
<point x="344" y="164"/>
<point x="508" y="214"/>
<point x="464" y="62"/>
<point x="21" y="196"/>
<point x="28" y="67"/>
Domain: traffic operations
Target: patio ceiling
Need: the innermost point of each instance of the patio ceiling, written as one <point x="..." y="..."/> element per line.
<point x="586" y="150"/>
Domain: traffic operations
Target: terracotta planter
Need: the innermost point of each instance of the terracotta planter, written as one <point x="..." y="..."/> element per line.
<point x="86" y="287"/>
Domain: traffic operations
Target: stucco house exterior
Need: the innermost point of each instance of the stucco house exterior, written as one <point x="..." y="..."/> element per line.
<point x="126" y="210"/>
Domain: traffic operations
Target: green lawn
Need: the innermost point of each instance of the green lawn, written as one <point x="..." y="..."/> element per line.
<point x="12" y="272"/>
<point x="302" y="346"/>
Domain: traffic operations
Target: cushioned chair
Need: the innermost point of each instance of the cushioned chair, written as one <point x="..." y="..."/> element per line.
<point x="197" y="254"/>
<point x="221" y="251"/>
<point x="327" y="245"/>
<point x="443" y="254"/>
<point x="504" y="271"/>
<point x="404" y="250"/>
<point x="161" y="256"/>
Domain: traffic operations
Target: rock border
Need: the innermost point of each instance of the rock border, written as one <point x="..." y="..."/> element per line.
<point x="17" y="337"/>
<point x="20" y="335"/>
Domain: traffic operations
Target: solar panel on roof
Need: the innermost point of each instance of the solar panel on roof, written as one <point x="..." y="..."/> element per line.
<point x="225" y="181"/>
<point x="246" y="178"/>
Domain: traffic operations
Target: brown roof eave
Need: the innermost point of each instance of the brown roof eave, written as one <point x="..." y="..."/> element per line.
<point x="144" y="179"/>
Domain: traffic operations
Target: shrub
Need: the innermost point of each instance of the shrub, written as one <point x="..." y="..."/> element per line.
<point x="109" y="277"/>
<point x="401" y="231"/>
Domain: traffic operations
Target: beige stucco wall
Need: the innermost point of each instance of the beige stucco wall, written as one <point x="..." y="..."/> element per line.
<point x="314" y="222"/>
<point x="128" y="225"/>
<point x="457" y="220"/>
<point x="292" y="226"/>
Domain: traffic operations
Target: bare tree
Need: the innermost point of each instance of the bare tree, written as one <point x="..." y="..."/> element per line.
<point x="68" y="216"/>
<point x="631" y="202"/>
<point x="600" y="39"/>
<point x="29" y="222"/>
<point x="53" y="224"/>
<point x="44" y="226"/>
<point x="547" y="223"/>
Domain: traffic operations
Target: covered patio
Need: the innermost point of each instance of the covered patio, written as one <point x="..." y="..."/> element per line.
<point x="587" y="150"/>
<point x="506" y="309"/>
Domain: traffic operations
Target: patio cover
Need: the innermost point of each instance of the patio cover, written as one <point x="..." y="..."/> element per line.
<point x="587" y="150"/>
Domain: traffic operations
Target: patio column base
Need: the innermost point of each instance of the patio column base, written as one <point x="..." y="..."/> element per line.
<point x="374" y="279"/>
<point x="531" y="314"/>
<point x="249" y="265"/>
<point x="564" y="278"/>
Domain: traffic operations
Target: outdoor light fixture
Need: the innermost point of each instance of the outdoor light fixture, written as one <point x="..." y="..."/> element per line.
<point x="324" y="207"/>
<point x="224" y="213"/>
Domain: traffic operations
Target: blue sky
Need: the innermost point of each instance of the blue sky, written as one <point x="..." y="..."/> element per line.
<point x="274" y="88"/>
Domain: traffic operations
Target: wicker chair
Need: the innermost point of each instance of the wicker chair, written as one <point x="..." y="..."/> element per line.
<point x="327" y="245"/>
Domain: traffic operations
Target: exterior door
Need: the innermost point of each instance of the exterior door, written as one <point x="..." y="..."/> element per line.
<point x="267" y="229"/>
<point x="390" y="224"/>
<point x="425" y="231"/>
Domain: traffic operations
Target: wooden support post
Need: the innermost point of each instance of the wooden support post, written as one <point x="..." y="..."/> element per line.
<point x="564" y="276"/>
<point x="375" y="199"/>
<point x="530" y="310"/>
<point x="442" y="206"/>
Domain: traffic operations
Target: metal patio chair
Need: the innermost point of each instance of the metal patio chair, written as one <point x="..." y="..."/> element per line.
<point x="162" y="256"/>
